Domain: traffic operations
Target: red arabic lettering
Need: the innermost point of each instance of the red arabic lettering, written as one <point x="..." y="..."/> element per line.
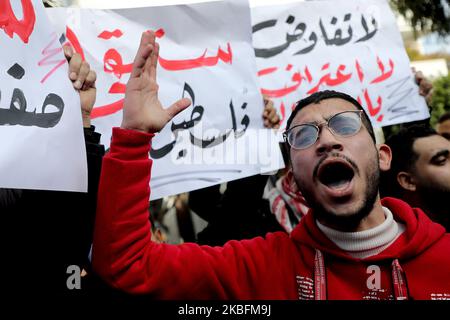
<point x="277" y="93"/>
<point x="112" y="63"/>
<point x="266" y="71"/>
<point x="202" y="61"/>
<point x="325" y="66"/>
<point x="383" y="75"/>
<point x="282" y="111"/>
<point x="360" y="72"/>
<point x="308" y="75"/>
<point x="329" y="81"/>
<point x="50" y="53"/>
<point x="107" y="109"/>
<point x="110" y="34"/>
<point x="72" y="38"/>
<point x="373" y="111"/>
<point x="117" y="87"/>
<point x="9" y="23"/>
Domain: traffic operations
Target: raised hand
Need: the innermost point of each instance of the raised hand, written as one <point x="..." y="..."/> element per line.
<point x="142" y="109"/>
<point x="83" y="79"/>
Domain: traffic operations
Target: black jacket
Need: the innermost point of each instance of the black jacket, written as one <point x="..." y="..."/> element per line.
<point x="241" y="213"/>
<point x="44" y="232"/>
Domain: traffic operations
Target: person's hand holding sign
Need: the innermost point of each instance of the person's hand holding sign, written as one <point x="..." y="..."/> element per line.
<point x="270" y="116"/>
<point x="83" y="79"/>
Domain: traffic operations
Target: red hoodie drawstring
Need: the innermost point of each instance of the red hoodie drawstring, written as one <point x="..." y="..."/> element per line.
<point x="399" y="280"/>
<point x="320" y="281"/>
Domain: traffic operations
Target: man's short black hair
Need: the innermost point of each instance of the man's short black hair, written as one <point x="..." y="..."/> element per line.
<point x="444" y="117"/>
<point x="403" y="156"/>
<point x="330" y="94"/>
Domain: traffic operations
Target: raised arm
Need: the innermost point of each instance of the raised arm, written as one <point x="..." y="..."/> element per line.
<point x="123" y="252"/>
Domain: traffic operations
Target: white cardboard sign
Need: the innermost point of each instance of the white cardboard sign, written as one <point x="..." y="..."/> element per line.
<point x="41" y="131"/>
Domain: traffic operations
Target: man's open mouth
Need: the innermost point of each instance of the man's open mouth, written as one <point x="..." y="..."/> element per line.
<point x="335" y="174"/>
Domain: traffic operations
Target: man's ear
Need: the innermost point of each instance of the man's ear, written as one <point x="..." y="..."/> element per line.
<point x="406" y="181"/>
<point x="384" y="157"/>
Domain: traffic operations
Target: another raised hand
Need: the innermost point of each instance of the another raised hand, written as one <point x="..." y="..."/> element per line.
<point x="142" y="110"/>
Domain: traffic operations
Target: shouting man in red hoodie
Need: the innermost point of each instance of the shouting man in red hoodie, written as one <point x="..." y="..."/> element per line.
<point x="351" y="245"/>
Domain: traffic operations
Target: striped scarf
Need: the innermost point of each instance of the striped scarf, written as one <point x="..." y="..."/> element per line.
<point x="287" y="203"/>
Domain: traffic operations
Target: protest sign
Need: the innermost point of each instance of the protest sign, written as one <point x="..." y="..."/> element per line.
<point x="41" y="130"/>
<point x="206" y="55"/>
<point x="349" y="46"/>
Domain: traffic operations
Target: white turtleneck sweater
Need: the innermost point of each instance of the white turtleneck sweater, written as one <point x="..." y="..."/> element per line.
<point x="364" y="244"/>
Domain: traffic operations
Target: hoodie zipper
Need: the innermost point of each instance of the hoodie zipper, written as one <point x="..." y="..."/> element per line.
<point x="399" y="280"/>
<point x="320" y="280"/>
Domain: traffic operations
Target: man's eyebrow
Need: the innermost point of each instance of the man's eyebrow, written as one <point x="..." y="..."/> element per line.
<point x="316" y="122"/>
<point x="440" y="153"/>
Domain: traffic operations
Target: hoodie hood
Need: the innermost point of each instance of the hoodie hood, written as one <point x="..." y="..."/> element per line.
<point x="420" y="234"/>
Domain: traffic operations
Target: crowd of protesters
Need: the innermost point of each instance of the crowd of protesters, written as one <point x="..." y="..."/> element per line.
<point x="344" y="203"/>
<point x="335" y="164"/>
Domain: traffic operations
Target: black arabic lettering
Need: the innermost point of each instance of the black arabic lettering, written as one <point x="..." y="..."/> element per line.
<point x="161" y="152"/>
<point x="198" y="111"/>
<point x="337" y="40"/>
<point x="313" y="38"/>
<point x="209" y="143"/>
<point x="298" y="33"/>
<point x="214" y="141"/>
<point x="368" y="35"/>
<point x="16" y="71"/>
<point x="196" y="116"/>
<point x="17" y="114"/>
<point x="245" y="122"/>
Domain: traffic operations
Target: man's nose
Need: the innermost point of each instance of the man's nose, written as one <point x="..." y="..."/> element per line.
<point x="327" y="142"/>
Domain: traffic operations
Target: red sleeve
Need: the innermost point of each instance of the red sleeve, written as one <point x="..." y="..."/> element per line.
<point x="126" y="258"/>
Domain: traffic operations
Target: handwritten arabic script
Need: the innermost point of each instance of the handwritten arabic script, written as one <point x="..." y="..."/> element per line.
<point x="347" y="47"/>
<point x="40" y="120"/>
<point x="17" y="113"/>
<point x="113" y="64"/>
<point x="300" y="38"/>
<point x="11" y="25"/>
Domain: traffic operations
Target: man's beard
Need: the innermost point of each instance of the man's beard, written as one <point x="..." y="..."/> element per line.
<point x="350" y="220"/>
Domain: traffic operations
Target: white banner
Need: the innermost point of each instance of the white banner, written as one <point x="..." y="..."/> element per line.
<point x="206" y="55"/>
<point x="349" y="46"/>
<point x="41" y="136"/>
